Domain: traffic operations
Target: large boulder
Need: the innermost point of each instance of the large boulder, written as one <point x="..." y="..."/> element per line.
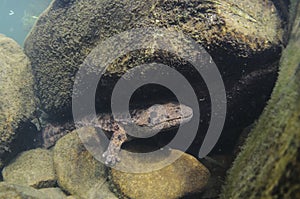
<point x="235" y="33"/>
<point x="269" y="164"/>
<point x="17" y="102"/>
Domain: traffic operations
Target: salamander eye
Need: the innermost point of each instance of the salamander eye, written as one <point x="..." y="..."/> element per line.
<point x="153" y="114"/>
<point x="149" y="120"/>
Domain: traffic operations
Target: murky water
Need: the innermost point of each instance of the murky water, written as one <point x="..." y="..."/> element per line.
<point x="18" y="16"/>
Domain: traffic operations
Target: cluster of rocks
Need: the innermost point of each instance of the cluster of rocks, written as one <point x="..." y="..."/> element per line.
<point x="69" y="169"/>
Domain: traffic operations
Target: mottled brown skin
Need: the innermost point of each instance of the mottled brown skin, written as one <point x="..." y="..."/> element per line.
<point x="142" y="123"/>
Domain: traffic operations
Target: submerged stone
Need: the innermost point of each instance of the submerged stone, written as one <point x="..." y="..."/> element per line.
<point x="185" y="176"/>
<point x="53" y="193"/>
<point x="31" y="168"/>
<point x="12" y="191"/>
<point x="78" y="172"/>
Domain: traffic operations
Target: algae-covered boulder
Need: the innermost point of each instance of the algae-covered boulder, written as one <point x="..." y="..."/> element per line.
<point x="185" y="176"/>
<point x="68" y="31"/>
<point x="78" y="172"/>
<point x="31" y="168"/>
<point x="269" y="164"/>
<point x="17" y="102"/>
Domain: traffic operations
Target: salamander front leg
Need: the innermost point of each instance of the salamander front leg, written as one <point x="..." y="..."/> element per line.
<point x="111" y="155"/>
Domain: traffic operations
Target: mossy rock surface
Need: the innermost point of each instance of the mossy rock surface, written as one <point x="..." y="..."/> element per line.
<point x="185" y="176"/>
<point x="269" y="164"/>
<point x="17" y="102"/>
<point x="31" y="168"/>
<point x="69" y="30"/>
<point x="78" y="172"/>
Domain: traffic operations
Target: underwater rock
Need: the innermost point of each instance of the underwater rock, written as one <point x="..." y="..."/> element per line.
<point x="101" y="191"/>
<point x="185" y="176"/>
<point x="233" y="32"/>
<point x="12" y="191"/>
<point x="17" y="102"/>
<point x="55" y="193"/>
<point x="78" y="172"/>
<point x="72" y="197"/>
<point x="269" y="164"/>
<point x="31" y="168"/>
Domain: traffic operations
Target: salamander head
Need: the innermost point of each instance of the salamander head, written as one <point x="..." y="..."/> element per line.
<point x="164" y="116"/>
